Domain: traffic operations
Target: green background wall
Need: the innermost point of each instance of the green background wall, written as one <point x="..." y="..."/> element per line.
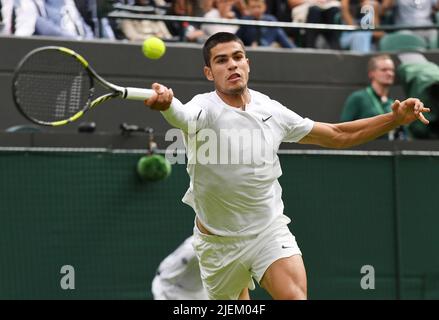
<point x="91" y="211"/>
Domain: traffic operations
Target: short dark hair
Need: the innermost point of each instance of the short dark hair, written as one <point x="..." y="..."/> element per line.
<point x="215" y="39"/>
<point x="372" y="64"/>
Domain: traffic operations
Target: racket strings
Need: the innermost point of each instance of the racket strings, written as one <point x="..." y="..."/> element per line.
<point x="52" y="86"/>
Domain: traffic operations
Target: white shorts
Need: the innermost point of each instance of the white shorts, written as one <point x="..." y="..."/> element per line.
<point x="229" y="264"/>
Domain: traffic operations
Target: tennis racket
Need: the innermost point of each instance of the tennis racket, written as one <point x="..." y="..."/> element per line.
<point x="53" y="86"/>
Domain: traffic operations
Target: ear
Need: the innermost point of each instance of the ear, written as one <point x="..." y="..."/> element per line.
<point x="208" y="73"/>
<point x="248" y="62"/>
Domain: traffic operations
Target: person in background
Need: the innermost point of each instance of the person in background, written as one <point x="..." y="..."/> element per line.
<point x="362" y="13"/>
<point x="139" y="30"/>
<point x="184" y="31"/>
<point x="374" y="99"/>
<point x="222" y="10"/>
<point x="66" y="18"/>
<point x="178" y="276"/>
<point x="416" y="13"/>
<point x="19" y="17"/>
<point x="6" y="13"/>
<point x="262" y="36"/>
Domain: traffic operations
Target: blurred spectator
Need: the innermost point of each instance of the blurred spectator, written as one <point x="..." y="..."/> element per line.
<point x="262" y="36"/>
<point x="65" y="14"/>
<point x="374" y="99"/>
<point x="279" y="9"/>
<point x="58" y="18"/>
<point x="138" y="30"/>
<point x="222" y="10"/>
<point x="19" y="17"/>
<point x="178" y="275"/>
<point x="185" y="31"/>
<point x="6" y="14"/>
<point x="416" y="13"/>
<point x="240" y="8"/>
<point x="356" y="13"/>
<point x="89" y="10"/>
<point x="322" y="11"/>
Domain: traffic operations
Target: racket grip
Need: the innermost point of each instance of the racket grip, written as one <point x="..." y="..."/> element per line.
<point x="137" y="93"/>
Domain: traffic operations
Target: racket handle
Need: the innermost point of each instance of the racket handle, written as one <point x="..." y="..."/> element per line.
<point x="137" y="93"/>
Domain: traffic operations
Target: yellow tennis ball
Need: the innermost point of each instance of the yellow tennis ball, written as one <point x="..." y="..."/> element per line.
<point x="153" y="48"/>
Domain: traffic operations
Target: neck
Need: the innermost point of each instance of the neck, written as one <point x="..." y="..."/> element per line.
<point x="381" y="90"/>
<point x="238" y="100"/>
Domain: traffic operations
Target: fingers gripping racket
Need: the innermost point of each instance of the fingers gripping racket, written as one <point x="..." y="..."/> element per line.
<point x="54" y="86"/>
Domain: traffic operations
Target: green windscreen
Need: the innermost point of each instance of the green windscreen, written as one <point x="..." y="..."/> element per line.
<point x="89" y="210"/>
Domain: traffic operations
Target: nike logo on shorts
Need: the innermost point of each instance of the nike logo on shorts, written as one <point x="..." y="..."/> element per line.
<point x="285" y="247"/>
<point x="263" y="120"/>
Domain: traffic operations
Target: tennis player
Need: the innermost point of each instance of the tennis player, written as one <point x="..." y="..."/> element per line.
<point x="178" y="276"/>
<point x="240" y="230"/>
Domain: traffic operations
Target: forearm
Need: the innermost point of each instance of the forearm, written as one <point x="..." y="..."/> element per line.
<point x="348" y="134"/>
<point x="177" y="115"/>
<point x="346" y="14"/>
<point x="364" y="130"/>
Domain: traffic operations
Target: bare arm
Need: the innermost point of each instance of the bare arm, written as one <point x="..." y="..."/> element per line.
<point x="293" y="3"/>
<point x="346" y="14"/>
<point x="348" y="134"/>
<point x="386" y="5"/>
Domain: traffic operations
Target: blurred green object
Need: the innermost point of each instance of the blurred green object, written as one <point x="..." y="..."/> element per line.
<point x="421" y="80"/>
<point x="153" y="167"/>
<point x="401" y="41"/>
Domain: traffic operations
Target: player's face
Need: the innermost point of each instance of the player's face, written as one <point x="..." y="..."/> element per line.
<point x="229" y="68"/>
<point x="384" y="73"/>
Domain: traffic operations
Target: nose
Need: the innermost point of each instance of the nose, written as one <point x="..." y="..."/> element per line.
<point x="232" y="65"/>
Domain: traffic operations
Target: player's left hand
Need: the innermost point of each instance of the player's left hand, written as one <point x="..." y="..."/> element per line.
<point x="409" y="110"/>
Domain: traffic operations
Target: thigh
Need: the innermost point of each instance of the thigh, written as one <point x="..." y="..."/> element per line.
<point x="275" y="244"/>
<point x="285" y="279"/>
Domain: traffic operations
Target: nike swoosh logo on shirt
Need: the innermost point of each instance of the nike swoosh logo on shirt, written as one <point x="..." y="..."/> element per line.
<point x="263" y="120"/>
<point x="285" y="247"/>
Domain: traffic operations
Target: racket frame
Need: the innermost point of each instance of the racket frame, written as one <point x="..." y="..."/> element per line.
<point x="116" y="91"/>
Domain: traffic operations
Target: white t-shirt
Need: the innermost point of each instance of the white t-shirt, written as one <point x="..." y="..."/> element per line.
<point x="234" y="191"/>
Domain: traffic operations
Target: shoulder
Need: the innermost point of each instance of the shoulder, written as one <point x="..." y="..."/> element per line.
<point x="276" y="108"/>
<point x="357" y="95"/>
<point x="204" y="99"/>
<point x="260" y="98"/>
<point x="209" y="103"/>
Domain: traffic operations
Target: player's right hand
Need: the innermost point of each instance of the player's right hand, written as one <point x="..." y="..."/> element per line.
<point x="161" y="99"/>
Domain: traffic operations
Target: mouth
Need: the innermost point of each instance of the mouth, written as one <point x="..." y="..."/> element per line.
<point x="234" y="77"/>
